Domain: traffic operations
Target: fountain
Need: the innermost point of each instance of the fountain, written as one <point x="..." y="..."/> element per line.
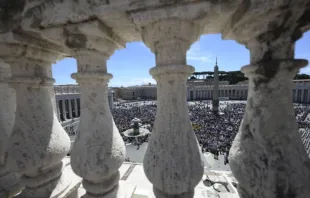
<point x="137" y="135"/>
<point x="136" y="129"/>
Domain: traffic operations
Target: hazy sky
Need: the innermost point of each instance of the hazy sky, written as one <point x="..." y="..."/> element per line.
<point x="130" y="66"/>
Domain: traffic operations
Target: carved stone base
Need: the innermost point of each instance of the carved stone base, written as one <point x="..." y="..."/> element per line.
<point x="122" y="190"/>
<point x="160" y="194"/>
<point x="67" y="177"/>
<point x="10" y="185"/>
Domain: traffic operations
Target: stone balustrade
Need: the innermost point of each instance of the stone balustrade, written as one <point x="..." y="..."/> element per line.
<point x="178" y="168"/>
<point x="9" y="181"/>
<point x="267" y="156"/>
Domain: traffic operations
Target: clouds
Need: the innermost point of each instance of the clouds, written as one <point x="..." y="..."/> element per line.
<point x="142" y="81"/>
<point x="305" y="70"/>
<point x="196" y="53"/>
<point x="131" y="82"/>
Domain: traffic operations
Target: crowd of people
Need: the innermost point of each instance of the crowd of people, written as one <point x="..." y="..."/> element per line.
<point x="124" y="113"/>
<point x="215" y="133"/>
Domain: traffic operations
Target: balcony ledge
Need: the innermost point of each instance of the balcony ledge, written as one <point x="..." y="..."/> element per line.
<point x="134" y="184"/>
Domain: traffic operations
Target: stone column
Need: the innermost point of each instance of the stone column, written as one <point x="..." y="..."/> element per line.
<point x="70" y="109"/>
<point x="267" y="156"/>
<point x="76" y="108"/>
<point x="172" y="161"/>
<point x="38" y="142"/>
<point x="99" y="150"/>
<point x="302" y="96"/>
<point x="9" y="181"/>
<point x="64" y="111"/>
<point x="58" y="110"/>
<point x="296" y="94"/>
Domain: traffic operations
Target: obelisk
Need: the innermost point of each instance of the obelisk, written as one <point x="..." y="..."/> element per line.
<point x="215" y="102"/>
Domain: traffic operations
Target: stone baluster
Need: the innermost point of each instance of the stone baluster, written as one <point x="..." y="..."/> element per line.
<point x="267" y="156"/>
<point x="172" y="161"/>
<point x="9" y="181"/>
<point x="99" y="150"/>
<point x="38" y="142"/>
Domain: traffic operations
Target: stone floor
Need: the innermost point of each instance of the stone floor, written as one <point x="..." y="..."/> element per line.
<point x="134" y="183"/>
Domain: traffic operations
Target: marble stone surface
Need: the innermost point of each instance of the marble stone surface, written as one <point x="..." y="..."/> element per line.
<point x="7" y="111"/>
<point x="99" y="150"/>
<point x="136" y="184"/>
<point x="38" y="143"/>
<point x="67" y="25"/>
<point x="267" y="156"/>
<point x="179" y="168"/>
<point x="9" y="181"/>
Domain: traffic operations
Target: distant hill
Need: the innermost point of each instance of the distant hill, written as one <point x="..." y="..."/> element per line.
<point x="233" y="77"/>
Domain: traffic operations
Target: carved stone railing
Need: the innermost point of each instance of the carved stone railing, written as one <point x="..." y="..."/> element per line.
<point x="9" y="181"/>
<point x="38" y="142"/>
<point x="267" y="156"/>
<point x="178" y="169"/>
<point x="35" y="34"/>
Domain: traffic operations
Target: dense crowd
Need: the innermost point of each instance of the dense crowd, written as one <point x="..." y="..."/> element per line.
<point x="215" y="133"/>
<point x="124" y="113"/>
<point x="301" y="113"/>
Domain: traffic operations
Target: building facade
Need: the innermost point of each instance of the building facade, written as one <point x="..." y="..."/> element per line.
<point x="143" y="92"/>
<point x="201" y="90"/>
<point x="68" y="106"/>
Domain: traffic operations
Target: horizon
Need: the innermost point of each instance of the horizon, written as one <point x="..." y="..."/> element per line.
<point x="130" y="66"/>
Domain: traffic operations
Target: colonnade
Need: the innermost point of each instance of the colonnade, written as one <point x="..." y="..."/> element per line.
<point x="68" y="105"/>
<point x="301" y="95"/>
<point x="142" y="92"/>
<point x="267" y="157"/>
<point x="200" y="93"/>
<point x="68" y="109"/>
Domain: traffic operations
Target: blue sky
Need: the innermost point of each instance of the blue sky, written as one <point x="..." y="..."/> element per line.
<point x="130" y="66"/>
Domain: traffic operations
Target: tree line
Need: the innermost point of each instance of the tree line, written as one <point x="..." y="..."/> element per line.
<point x="233" y="77"/>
